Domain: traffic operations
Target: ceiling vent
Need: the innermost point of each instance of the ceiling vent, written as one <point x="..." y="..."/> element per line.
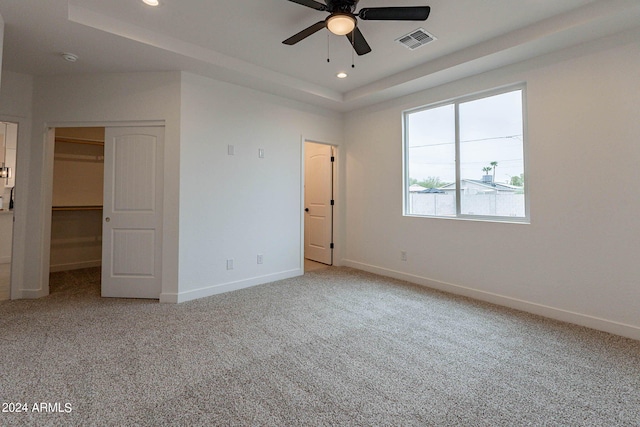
<point x="416" y="38"/>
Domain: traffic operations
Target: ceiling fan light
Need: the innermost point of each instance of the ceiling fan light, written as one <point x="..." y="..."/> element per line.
<point x="341" y="23"/>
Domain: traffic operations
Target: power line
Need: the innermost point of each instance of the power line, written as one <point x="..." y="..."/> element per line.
<point x="451" y="163"/>
<point x="469" y="140"/>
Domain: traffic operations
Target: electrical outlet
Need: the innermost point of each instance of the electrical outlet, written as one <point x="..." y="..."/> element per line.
<point x="261" y="153"/>
<point x="230" y="264"/>
<point x="403" y="255"/>
<point x="260" y="259"/>
<point x="231" y="150"/>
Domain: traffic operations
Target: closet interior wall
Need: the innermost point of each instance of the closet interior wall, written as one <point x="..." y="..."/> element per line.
<point x="76" y="217"/>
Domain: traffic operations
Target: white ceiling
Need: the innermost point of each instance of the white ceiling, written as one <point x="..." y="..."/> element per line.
<point x="240" y="41"/>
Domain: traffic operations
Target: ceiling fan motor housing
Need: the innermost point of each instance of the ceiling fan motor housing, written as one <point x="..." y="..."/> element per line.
<point x="348" y="6"/>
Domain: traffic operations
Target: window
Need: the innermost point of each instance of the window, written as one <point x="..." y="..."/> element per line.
<point x="465" y="158"/>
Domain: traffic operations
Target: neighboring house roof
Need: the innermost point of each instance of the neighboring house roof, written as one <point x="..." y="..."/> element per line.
<point x="416" y="188"/>
<point x="481" y="185"/>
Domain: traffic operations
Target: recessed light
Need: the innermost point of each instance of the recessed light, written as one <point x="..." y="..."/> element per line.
<point x="70" y="57"/>
<point x="341" y="75"/>
<point x="151" y="2"/>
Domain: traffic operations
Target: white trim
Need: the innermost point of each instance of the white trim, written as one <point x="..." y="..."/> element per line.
<point x="30" y="294"/>
<point x="335" y="257"/>
<point x="302" y="184"/>
<point x="179" y="297"/>
<point x="477" y="218"/>
<point x="46" y="201"/>
<point x="101" y="124"/>
<point x="405" y="166"/>
<point x="613" y="327"/>
<point x="525" y="153"/>
<point x="19" y="214"/>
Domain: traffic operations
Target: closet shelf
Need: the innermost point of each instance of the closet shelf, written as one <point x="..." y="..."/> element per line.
<point x="79" y="141"/>
<point x="77" y="208"/>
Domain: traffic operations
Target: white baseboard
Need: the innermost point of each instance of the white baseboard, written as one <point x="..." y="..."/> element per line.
<point x="179" y="297"/>
<point x="31" y="294"/>
<point x="592" y="322"/>
<point x="74" y="266"/>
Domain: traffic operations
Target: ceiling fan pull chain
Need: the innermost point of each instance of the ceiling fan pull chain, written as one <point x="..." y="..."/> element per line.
<point x="328" y="52"/>
<point x="353" y="43"/>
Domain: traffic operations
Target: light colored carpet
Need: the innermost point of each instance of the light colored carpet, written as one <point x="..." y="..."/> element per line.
<point x="334" y="347"/>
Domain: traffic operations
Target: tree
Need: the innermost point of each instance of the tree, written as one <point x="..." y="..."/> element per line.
<point x="486" y="170"/>
<point x="494" y="165"/>
<point x="517" y="181"/>
<point x="430" y="182"/>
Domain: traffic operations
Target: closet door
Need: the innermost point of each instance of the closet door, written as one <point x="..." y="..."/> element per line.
<point x="132" y="215"/>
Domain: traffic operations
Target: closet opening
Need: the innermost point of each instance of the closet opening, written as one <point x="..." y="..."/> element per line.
<point x="76" y="216"/>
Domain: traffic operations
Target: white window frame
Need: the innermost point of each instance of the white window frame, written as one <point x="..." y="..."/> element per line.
<point x="456" y="103"/>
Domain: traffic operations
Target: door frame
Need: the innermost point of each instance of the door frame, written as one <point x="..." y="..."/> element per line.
<point x="17" y="243"/>
<point x="47" y="188"/>
<point x="337" y="196"/>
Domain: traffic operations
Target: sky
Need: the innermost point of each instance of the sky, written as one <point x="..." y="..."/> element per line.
<point x="490" y="130"/>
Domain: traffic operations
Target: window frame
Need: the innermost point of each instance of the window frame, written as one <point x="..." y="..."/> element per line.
<point x="456" y="103"/>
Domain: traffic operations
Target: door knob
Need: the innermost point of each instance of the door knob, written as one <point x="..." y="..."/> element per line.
<point x="306" y="209"/>
<point x="107" y="219"/>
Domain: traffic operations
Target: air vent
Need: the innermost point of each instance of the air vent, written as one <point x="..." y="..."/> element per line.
<point x="416" y="38"/>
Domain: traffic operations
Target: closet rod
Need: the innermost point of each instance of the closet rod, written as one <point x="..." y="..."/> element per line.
<point x="77" y="208"/>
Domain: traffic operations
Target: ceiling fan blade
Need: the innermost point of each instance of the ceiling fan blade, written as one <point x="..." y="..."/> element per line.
<point x="358" y="42"/>
<point x="410" y="13"/>
<point x="305" y="33"/>
<point x="311" y="3"/>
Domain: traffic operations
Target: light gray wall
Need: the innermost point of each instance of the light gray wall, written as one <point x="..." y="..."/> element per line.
<point x="577" y="260"/>
<point x="229" y="206"/>
<point x="236" y="207"/>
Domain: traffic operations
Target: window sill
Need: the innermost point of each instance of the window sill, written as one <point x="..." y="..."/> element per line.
<point x="501" y="220"/>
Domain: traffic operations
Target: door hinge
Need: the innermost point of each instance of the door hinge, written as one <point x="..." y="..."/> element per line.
<point x="333" y="159"/>
<point x="331" y="246"/>
<point x="333" y="202"/>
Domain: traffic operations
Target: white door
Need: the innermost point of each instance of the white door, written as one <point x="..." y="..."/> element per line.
<point x="132" y="216"/>
<point x="318" y="195"/>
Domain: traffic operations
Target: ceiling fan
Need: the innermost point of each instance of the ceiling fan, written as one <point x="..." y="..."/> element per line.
<point x="342" y="20"/>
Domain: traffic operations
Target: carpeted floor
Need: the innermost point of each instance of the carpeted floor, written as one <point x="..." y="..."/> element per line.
<point x="334" y="347"/>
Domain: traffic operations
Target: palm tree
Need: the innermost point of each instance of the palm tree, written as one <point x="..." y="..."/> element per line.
<point x="486" y="171"/>
<point x="494" y="165"/>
